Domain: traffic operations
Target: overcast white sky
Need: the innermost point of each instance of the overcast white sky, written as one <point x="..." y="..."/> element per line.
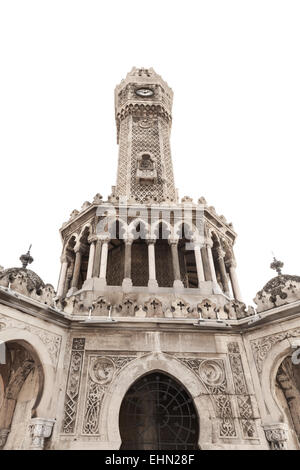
<point x="235" y="71"/>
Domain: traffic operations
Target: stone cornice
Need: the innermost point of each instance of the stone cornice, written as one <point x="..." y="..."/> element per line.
<point x="243" y="326"/>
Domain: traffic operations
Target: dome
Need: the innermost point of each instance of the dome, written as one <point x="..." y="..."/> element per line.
<point x="277" y="282"/>
<point x="34" y="282"/>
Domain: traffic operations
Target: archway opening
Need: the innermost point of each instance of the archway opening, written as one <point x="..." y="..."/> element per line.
<point x="139" y="257"/>
<point x="22" y="384"/>
<point x="187" y="260"/>
<point x="116" y="255"/>
<point x="158" y="413"/>
<point x="163" y="259"/>
<point x="288" y="393"/>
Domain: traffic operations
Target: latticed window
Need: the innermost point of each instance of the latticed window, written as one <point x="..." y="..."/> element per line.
<point x="157" y="413"/>
<point x="139" y="263"/>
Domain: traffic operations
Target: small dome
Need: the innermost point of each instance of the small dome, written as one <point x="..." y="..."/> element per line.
<point x="279" y="281"/>
<point x="33" y="280"/>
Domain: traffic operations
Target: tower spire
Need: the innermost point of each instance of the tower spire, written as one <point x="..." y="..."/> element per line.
<point x="143" y="109"/>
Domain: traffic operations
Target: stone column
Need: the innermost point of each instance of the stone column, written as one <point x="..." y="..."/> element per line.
<point x="199" y="263"/>
<point x="151" y="260"/>
<point x="127" y="281"/>
<point x="234" y="281"/>
<point x="40" y="429"/>
<point x="206" y="269"/>
<point x="175" y="262"/>
<point x="62" y="277"/>
<point x="97" y="258"/>
<point x="91" y="260"/>
<point x="209" y="245"/>
<point x="76" y="270"/>
<point x="103" y="264"/>
<point x="223" y="273"/>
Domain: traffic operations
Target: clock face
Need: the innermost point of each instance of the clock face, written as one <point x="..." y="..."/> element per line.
<point x="145" y="92"/>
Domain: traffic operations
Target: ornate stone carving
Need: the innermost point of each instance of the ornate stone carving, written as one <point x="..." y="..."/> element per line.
<point x="98" y="199"/>
<point x="74" y="304"/>
<point x="280" y="290"/>
<point x="73" y="214"/>
<point x="128" y="308"/>
<point x="211" y="372"/>
<point x="207" y="309"/>
<point x="85" y="205"/>
<point x="28" y="283"/>
<point x="262" y="346"/>
<point x="101" y="371"/>
<point x="153" y="307"/>
<point x="241" y="390"/>
<point x="73" y="386"/>
<point x="236" y="310"/>
<point x="50" y="340"/>
<point x="100" y="307"/>
<point x="179" y="308"/>
<point x="40" y="429"/>
<point x="276" y="435"/>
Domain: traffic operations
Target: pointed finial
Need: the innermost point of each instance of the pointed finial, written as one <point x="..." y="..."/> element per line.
<point x="276" y="265"/>
<point x="26" y="259"/>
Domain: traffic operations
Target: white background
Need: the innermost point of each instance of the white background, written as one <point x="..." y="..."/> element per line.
<point x="234" y="68"/>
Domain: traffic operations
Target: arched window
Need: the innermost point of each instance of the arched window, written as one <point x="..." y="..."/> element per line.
<point x="116" y="255"/>
<point x="163" y="257"/>
<point x="158" y="413"/>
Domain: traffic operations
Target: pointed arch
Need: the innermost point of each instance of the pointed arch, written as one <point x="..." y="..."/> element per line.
<point x="170" y="366"/>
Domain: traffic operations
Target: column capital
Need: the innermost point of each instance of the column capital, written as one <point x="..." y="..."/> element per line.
<point x="173" y="241"/>
<point x="128" y="241"/>
<point x="231" y="263"/>
<point x="276" y="435"/>
<point x="221" y="253"/>
<point x="79" y="247"/>
<point x="208" y="242"/>
<point x="151" y="241"/>
<point x="92" y="238"/>
<point x="64" y="258"/>
<point x="40" y="429"/>
<point x="104" y="238"/>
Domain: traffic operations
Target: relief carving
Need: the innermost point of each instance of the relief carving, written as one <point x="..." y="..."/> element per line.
<point x="73" y="385"/>
<point x="211" y="372"/>
<point x="262" y="346"/>
<point x="50" y="340"/>
<point x="101" y="371"/>
<point x="243" y="398"/>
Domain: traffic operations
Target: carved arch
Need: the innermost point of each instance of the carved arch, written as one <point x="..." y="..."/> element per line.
<point x="41" y="356"/>
<point x="170" y="366"/>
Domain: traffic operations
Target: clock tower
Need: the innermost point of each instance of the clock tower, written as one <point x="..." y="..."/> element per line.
<point x="143" y="107"/>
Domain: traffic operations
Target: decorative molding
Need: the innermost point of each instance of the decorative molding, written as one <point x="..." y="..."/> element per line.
<point x="50" y="340"/>
<point x="101" y="372"/>
<point x="211" y="372"/>
<point x="243" y="397"/>
<point x="73" y="386"/>
<point x="262" y="346"/>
